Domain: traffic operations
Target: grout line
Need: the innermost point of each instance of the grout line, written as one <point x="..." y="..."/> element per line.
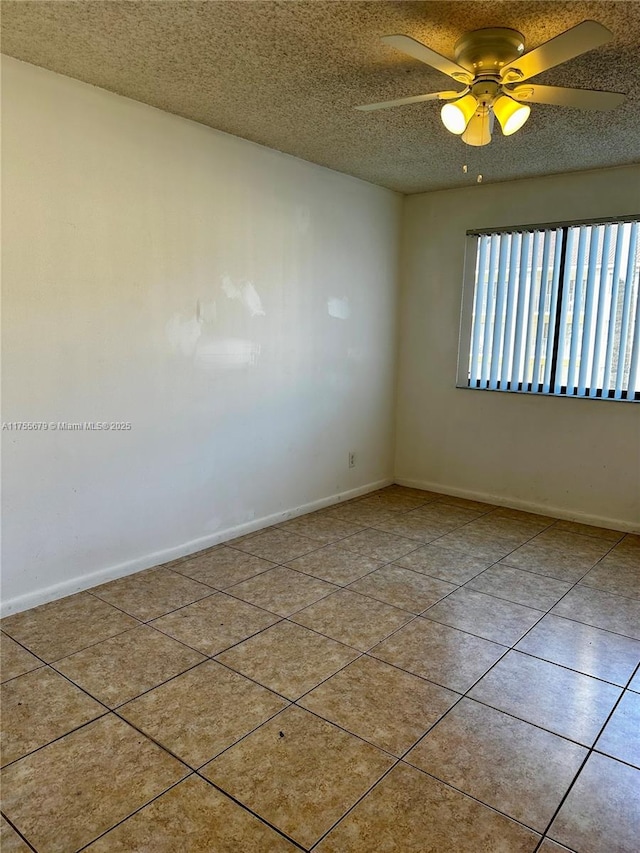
<point x="590" y="751"/>
<point x="596" y="627"/>
<point x="250" y="678"/>
<point x="62" y="736"/>
<point x="528" y="654"/>
<point x="607" y="591"/>
<point x="18" y="833"/>
<point x="231" y="645"/>
<point x="139" y="809"/>
<point x="215" y="757"/>
<point x="235" y="583"/>
<point x="83" y="648"/>
<point x="251" y="812"/>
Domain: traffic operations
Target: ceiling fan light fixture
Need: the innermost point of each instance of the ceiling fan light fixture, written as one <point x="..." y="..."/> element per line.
<point x="457" y="114"/>
<point x="511" y="114"/>
<point x="478" y="130"/>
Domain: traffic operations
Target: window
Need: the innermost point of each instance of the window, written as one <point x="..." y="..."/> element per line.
<point x="553" y="310"/>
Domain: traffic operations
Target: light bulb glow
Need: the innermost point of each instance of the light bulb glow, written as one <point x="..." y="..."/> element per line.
<point x="456" y="115"/>
<point x="511" y="114"/>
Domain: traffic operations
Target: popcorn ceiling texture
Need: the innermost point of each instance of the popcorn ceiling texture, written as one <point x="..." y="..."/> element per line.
<point x="288" y="74"/>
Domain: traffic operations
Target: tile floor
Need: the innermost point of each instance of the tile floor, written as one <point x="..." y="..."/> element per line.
<point x="402" y="673"/>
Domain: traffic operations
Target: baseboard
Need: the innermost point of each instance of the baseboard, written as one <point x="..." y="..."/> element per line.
<point x="526" y="506"/>
<point x="78" y="584"/>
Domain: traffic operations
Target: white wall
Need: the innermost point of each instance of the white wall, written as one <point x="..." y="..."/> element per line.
<point x="571" y="457"/>
<point x="236" y="305"/>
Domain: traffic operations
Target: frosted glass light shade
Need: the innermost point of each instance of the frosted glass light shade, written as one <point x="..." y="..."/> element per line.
<point x="456" y="114"/>
<point x="510" y="114"/>
<point x="478" y="130"/>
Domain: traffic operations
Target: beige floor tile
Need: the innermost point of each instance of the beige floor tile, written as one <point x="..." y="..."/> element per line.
<point x="384" y="705"/>
<point x="452" y="566"/>
<point x="445" y="516"/>
<point x="486" y="546"/>
<point x="152" y="593"/>
<point x="410" y="491"/>
<point x="10" y="841"/>
<point x="320" y="527"/>
<point x="551" y="561"/>
<point x="14" y="660"/>
<point x="602" y="812"/>
<point x="557" y="699"/>
<point x="237" y="540"/>
<point x="62" y="627"/>
<point x="484" y="615"/>
<point x="602" y="610"/>
<point x="278" y="546"/>
<point x="412" y="527"/>
<point x="613" y="575"/>
<point x="363" y="516"/>
<point x="589" y="547"/>
<point x="512" y="526"/>
<point x="410" y="812"/>
<point x="335" y="565"/>
<point x="222" y="567"/>
<point x="517" y="768"/>
<point x="519" y="586"/>
<point x="379" y="545"/>
<point x="192" y="817"/>
<point x="125" y="666"/>
<point x="549" y="846"/>
<point x="39" y="707"/>
<point x="357" y="620"/>
<point x="404" y="588"/>
<point x="505" y="530"/>
<point x="479" y="507"/>
<point x="626" y="552"/>
<point x="592" y="651"/>
<point x="202" y="712"/>
<point x="589" y="530"/>
<point x="64" y="795"/>
<point x="395" y="501"/>
<point x="514" y="749"/>
<point x="282" y="590"/>
<point x="214" y="623"/>
<point x="299" y="773"/>
<point x="520" y="515"/>
<point x="288" y="658"/>
<point x="449" y="657"/>
<point x="621" y="736"/>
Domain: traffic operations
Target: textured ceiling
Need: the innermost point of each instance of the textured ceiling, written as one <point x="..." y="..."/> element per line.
<point x="288" y="74"/>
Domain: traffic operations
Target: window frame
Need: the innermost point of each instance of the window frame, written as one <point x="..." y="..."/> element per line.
<point x="468" y="295"/>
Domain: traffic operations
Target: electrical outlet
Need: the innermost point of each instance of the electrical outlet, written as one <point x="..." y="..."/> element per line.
<point x="352" y="459"/>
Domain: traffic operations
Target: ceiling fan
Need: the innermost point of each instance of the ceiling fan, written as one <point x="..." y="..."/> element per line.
<point x="492" y="65"/>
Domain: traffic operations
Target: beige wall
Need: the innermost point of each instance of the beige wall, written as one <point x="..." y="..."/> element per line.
<point x="235" y="305"/>
<point x="577" y="458"/>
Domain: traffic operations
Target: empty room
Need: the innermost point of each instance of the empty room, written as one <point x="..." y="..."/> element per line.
<point x="320" y="426"/>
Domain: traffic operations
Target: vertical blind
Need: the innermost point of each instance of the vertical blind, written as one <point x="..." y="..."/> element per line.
<point x="556" y="311"/>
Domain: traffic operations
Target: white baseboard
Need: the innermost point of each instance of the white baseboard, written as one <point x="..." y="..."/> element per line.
<point x="78" y="584"/>
<point x="526" y="506"/>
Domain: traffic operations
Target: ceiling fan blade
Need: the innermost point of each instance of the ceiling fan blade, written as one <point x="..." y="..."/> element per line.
<point x="419" y="51"/>
<point x="585" y="36"/>
<point x="414" y="99"/>
<point x="579" y="99"/>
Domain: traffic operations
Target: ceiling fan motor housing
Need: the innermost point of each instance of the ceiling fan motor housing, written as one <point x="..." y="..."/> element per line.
<point x="487" y="51"/>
